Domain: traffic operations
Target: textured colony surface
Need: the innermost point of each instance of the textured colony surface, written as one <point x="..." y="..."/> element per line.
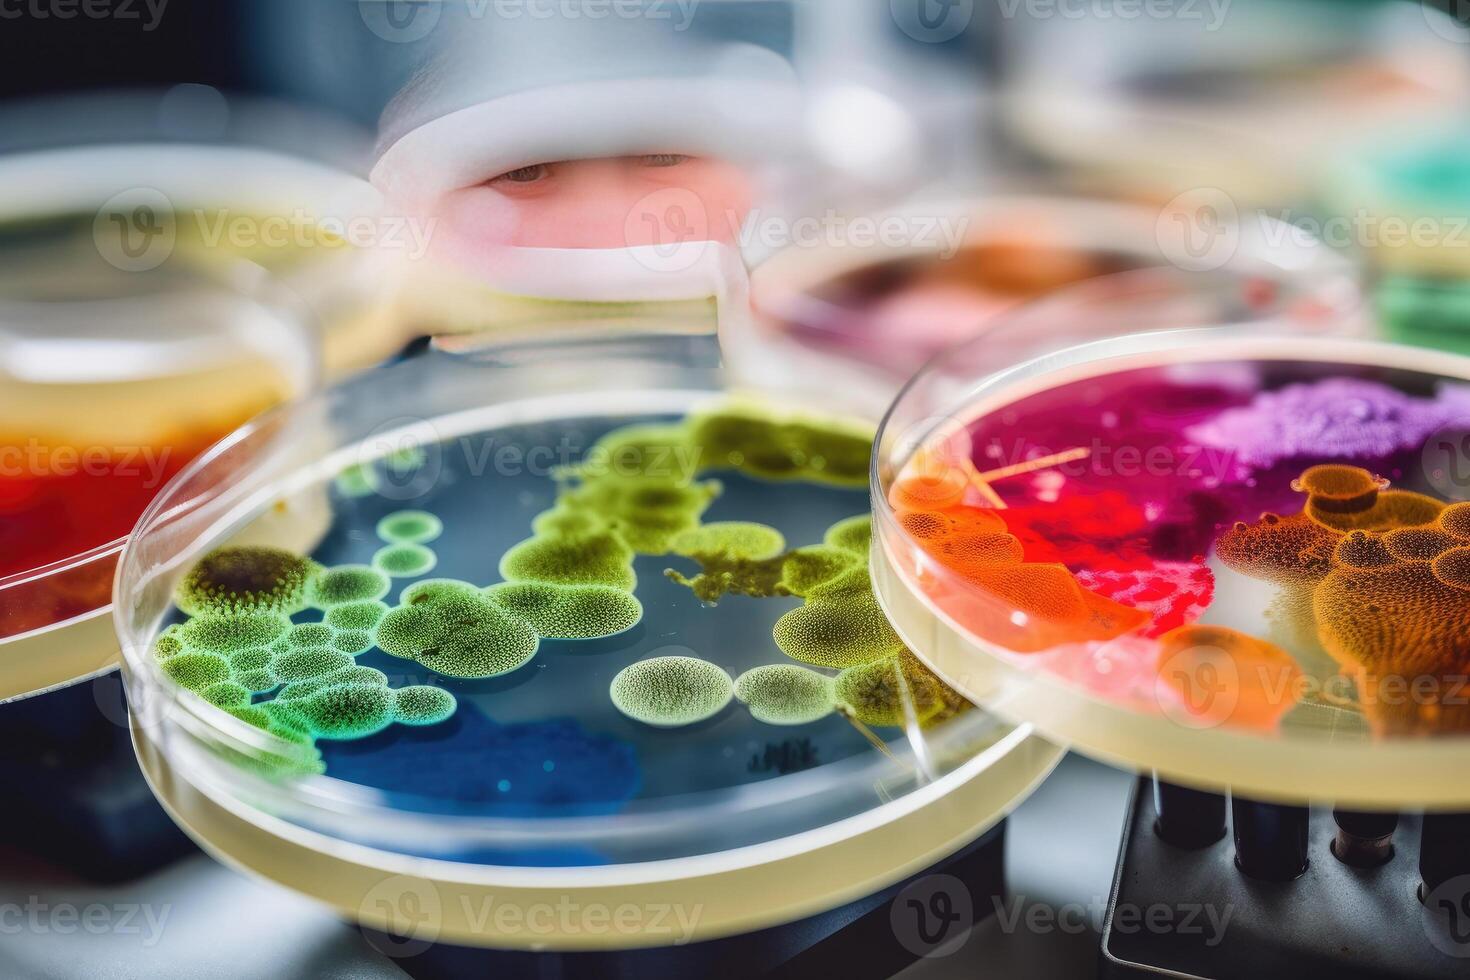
<point x="641" y="490"/>
<point x="1117" y="529"/>
<point x="240" y="644"/>
<point x="671" y="691"/>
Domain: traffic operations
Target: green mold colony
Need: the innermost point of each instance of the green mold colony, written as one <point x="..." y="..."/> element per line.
<point x="405" y="560"/>
<point x="636" y="492"/>
<point x="410" y="527"/>
<point x="839" y="626"/>
<point x="347" y="584"/>
<point x="669" y="692"/>
<point x="246" y="580"/>
<point x="240" y="643"/>
<point x="785" y="694"/>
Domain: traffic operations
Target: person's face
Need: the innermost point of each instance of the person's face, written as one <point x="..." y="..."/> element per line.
<point x="614" y="202"/>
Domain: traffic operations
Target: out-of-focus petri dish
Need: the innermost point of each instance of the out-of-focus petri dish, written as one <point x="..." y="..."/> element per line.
<point x="589" y="621"/>
<point x="963" y="265"/>
<point x="1402" y="207"/>
<point x="1252" y="103"/>
<point x="1234" y="559"/>
<point x="111" y="382"/>
<point x="184" y="176"/>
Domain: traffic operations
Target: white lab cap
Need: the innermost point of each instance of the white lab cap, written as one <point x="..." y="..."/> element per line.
<point x="511" y="91"/>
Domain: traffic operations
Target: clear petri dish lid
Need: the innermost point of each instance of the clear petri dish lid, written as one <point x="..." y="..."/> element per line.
<point x="1212" y="553"/>
<point x="105" y="185"/>
<point x="109" y="386"/>
<point x="549" y="618"/>
<point x="1255" y="104"/>
<point x="967" y="267"/>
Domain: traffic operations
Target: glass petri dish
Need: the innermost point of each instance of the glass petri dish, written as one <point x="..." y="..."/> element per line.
<point x="887" y="310"/>
<point x="128" y="181"/>
<point x="1253" y="105"/>
<point x="110" y="383"/>
<point x="619" y="489"/>
<point x="1200" y="552"/>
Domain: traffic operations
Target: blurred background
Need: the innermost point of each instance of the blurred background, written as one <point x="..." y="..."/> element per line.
<point x="877" y="180"/>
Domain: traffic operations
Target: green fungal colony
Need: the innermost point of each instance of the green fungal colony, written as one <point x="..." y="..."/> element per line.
<point x="639" y="490"/>
<point x="347" y="584"/>
<point x="246" y="580"/>
<point x="239" y="644"/>
<point x="785" y="694"/>
<point x="454" y="629"/>
<point x="671" y="691"/>
<point x="404" y="560"/>
<point x="839" y="626"/>
<point x="410" y="527"/>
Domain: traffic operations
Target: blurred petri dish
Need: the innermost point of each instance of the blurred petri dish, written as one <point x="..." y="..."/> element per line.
<point x="1254" y="103"/>
<point x="644" y="667"/>
<point x="1402" y="209"/>
<point x="1231" y="558"/>
<point x="110" y="383"/>
<point x="129" y="181"/>
<point x="970" y="262"/>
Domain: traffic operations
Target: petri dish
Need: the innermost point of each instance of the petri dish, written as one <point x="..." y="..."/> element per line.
<point x="605" y="538"/>
<point x="1404" y="212"/>
<point x="1249" y="107"/>
<point x="1202" y="552"/>
<point x="110" y="383"/>
<point x="887" y="310"/>
<point x="186" y="176"/>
